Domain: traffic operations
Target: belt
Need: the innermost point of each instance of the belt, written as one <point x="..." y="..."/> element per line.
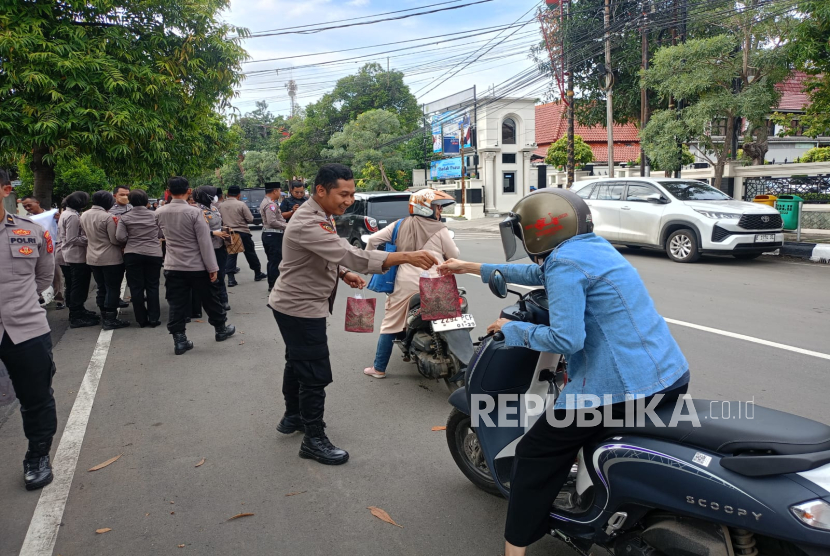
<point x="270" y="231"/>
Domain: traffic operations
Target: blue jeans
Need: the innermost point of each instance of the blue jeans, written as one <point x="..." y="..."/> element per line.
<point x="385" y="344"/>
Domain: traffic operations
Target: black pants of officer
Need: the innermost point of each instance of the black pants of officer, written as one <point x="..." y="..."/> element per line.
<point x="79" y="290"/>
<point x="143" y="277"/>
<point x="180" y="285"/>
<point x="31" y="369"/>
<point x="272" y="244"/>
<point x="307" y="366"/>
<point x="544" y="457"/>
<point x="250" y="256"/>
<point x="66" y="270"/>
<point x="108" y="279"/>
<point x="221" y="260"/>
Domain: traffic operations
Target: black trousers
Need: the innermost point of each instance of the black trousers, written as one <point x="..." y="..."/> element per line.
<point x="31" y="369"/>
<point x="143" y="276"/>
<point x="180" y="285"/>
<point x="220" y="286"/>
<point x="250" y="255"/>
<point x="108" y="279"/>
<point x="307" y="366"/>
<point x="272" y="243"/>
<point x="81" y="274"/>
<point x="66" y="270"/>
<point x="544" y="458"/>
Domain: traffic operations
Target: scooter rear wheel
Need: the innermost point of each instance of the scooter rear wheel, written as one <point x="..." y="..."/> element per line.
<point x="467" y="453"/>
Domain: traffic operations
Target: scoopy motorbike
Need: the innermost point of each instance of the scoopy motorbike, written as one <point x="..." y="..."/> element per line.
<point x="741" y="480"/>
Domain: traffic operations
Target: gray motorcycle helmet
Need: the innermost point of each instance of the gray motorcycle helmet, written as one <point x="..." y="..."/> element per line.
<point x="541" y="221"/>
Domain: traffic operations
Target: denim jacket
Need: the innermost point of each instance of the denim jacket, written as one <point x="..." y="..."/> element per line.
<point x="602" y="319"/>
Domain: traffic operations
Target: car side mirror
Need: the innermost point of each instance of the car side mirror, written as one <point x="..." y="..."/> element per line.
<point x="657" y="199"/>
<point x="498" y="285"/>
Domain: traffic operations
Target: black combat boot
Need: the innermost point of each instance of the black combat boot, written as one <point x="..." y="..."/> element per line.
<point x="260" y="276"/>
<point x="37" y="472"/>
<point x="90" y="314"/>
<point x="226" y="306"/>
<point x="112" y="322"/>
<point x="236" y="270"/>
<point x="181" y="343"/>
<point x="225" y="331"/>
<point x="291" y="424"/>
<point x="316" y="446"/>
<point x="232" y="281"/>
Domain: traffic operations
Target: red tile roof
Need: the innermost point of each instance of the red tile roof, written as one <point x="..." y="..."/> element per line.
<point x="793" y="96"/>
<point x="622" y="153"/>
<point x="552" y="124"/>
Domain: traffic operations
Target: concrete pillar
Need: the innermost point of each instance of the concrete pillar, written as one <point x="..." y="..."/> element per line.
<point x="491" y="182"/>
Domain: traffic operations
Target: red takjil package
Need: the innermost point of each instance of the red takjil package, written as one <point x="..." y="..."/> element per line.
<point x="360" y="314"/>
<point x="439" y="298"/>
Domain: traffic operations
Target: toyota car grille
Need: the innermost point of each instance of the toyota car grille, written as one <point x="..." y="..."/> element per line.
<point x="761" y="222"/>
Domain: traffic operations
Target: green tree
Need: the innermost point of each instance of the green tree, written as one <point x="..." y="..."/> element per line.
<point x="260" y="167"/>
<point x="686" y="158"/>
<point x="816" y="154"/>
<point x="76" y="174"/>
<point x="702" y="74"/>
<point x="366" y="143"/>
<point x="137" y="86"/>
<point x="810" y="48"/>
<point x="557" y="154"/>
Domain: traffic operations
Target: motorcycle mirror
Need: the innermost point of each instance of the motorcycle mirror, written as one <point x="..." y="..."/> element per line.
<point x="498" y="285"/>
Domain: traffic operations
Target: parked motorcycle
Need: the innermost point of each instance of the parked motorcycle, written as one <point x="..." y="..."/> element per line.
<point x="441" y="349"/>
<point x="740" y="484"/>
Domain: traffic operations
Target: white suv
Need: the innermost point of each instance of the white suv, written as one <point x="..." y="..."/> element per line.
<point x="684" y="217"/>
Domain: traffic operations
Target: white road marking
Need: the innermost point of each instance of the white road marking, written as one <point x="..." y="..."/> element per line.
<point x="43" y="529"/>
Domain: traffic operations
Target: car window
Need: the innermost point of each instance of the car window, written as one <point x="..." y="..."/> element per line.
<point x="354" y="208"/>
<point x="694" y="191"/>
<point x="609" y="192"/>
<point x="639" y="192"/>
<point x="585" y="192"/>
<point x="389" y="208"/>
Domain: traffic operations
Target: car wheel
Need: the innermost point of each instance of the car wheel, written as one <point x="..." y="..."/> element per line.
<point x="681" y="246"/>
<point x="746" y="256"/>
<point x="357" y="243"/>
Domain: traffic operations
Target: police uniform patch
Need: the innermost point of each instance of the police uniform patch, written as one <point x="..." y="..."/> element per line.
<point x="21" y="232"/>
<point x="49" y="245"/>
<point x="273" y="208"/>
<point x="25" y="251"/>
<point x="327" y="227"/>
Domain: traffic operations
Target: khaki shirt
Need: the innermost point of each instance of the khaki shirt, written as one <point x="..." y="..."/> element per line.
<point x="72" y="237"/>
<point x="311" y="254"/>
<point x="272" y="218"/>
<point x="27" y="266"/>
<point x="119" y="210"/>
<point x="138" y="231"/>
<point x="214" y="221"/>
<point x="236" y="214"/>
<point x="102" y="247"/>
<point x="189" y="245"/>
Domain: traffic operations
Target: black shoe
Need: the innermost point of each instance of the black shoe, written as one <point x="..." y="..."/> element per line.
<point x="196" y="315"/>
<point x="112" y="322"/>
<point x="122" y="304"/>
<point x="232" y="281"/>
<point x="316" y="446"/>
<point x="226" y="306"/>
<point x="237" y="270"/>
<point x="260" y="276"/>
<point x="154" y="323"/>
<point x="59" y="305"/>
<point x="290" y="424"/>
<point x="181" y="343"/>
<point x="83" y="321"/>
<point x="224" y="332"/>
<point x="37" y="472"/>
<point x="90" y="314"/>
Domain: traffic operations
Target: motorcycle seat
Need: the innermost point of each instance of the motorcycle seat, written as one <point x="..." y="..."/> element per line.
<point x="735" y="428"/>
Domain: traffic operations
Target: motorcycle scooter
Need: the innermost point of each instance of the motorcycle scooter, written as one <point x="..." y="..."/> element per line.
<point x="756" y="485"/>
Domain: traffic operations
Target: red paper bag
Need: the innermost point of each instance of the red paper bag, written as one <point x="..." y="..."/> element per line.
<point x="360" y="314"/>
<point x="439" y="298"/>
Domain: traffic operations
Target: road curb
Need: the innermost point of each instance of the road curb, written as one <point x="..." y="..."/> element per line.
<point x="816" y="252"/>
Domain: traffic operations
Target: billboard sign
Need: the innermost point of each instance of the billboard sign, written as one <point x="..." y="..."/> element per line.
<point x="447" y="168"/>
<point x="447" y="131"/>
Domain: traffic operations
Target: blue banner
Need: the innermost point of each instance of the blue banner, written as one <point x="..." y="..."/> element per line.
<point x="451" y="144"/>
<point x="447" y="168"/>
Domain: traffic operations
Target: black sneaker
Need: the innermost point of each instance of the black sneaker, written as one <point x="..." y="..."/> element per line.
<point x="317" y="446"/>
<point x="37" y="472"/>
<point x="290" y="424"/>
<point x="112" y="322"/>
<point x="232" y="281"/>
<point x="226" y="306"/>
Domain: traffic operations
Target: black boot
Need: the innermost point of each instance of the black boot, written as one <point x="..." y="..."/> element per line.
<point x="316" y="446"/>
<point x="90" y="314"/>
<point x="37" y="472"/>
<point x="81" y="320"/>
<point x="260" y="276"/>
<point x="236" y="270"/>
<point x="181" y="344"/>
<point x="226" y="306"/>
<point x="112" y="322"/>
<point x="224" y="332"/>
<point x="122" y="304"/>
<point x="291" y="424"/>
<point x="232" y="281"/>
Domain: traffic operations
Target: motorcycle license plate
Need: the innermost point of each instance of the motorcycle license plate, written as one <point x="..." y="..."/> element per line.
<point x="764" y="238"/>
<point x="459" y="323"/>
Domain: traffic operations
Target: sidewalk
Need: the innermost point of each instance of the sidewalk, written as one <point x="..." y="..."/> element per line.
<point x="814" y="245"/>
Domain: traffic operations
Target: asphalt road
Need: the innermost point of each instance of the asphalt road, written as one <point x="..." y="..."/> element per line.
<point x="220" y="402"/>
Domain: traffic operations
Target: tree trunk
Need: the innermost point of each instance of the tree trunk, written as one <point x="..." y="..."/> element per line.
<point x="44" y="177"/>
<point x="725" y="152"/>
<point x="385" y="179"/>
<point x="239" y="160"/>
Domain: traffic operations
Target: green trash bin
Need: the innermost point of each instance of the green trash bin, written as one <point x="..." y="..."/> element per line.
<point x="789" y="206"/>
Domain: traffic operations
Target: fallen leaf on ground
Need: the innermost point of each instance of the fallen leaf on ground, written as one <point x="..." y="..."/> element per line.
<point x="145" y="515"/>
<point x="181" y="546"/>
<point x="237" y="516"/>
<point x="106" y="463"/>
<point x="383" y="516"/>
<point x="200" y="463"/>
<point x="242" y="342"/>
<point x="197" y="320"/>
<point x="296" y="493"/>
<point x="439" y="428"/>
<point x="102" y="531"/>
<point x="172" y="513"/>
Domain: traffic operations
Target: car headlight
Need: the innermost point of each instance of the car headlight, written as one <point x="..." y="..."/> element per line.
<point x="719" y="215"/>
<point x="815" y="513"/>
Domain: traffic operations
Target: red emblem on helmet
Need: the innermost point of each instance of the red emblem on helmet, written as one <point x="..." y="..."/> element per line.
<point x="25" y="250"/>
<point x="21" y="232"/>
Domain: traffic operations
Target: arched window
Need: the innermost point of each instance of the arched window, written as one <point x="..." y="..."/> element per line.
<point x="508" y="132"/>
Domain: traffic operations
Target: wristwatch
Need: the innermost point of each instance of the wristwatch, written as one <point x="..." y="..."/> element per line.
<point x="344" y="272"/>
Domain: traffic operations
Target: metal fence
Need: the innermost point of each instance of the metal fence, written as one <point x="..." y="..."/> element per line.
<point x="814" y="189"/>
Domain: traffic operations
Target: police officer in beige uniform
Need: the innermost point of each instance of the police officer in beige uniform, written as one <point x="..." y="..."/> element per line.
<point x="273" y="227"/>
<point x="27" y="265"/>
<point x="190" y="266"/>
<point x="314" y="257"/>
<point x="236" y="215"/>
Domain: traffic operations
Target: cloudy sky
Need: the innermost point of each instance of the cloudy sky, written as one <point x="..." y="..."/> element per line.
<point x="435" y="65"/>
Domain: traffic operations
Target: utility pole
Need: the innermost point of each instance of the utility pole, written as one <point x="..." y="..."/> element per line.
<point x="570" y="96"/>
<point x="644" y="112"/>
<point x="609" y="85"/>
<point x="461" y="150"/>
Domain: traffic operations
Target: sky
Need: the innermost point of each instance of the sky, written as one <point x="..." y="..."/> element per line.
<point x="433" y="67"/>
